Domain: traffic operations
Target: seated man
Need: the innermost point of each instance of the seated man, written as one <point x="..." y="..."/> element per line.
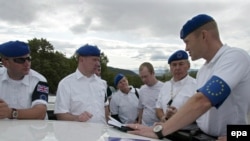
<point x="23" y="92"/>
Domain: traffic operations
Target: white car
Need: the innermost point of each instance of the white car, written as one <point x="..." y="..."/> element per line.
<point x="55" y="130"/>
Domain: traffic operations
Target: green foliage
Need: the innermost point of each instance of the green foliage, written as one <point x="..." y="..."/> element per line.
<point x="111" y="72"/>
<point x="52" y="64"/>
<point x="134" y="80"/>
<point x="167" y="76"/>
<point x="193" y="73"/>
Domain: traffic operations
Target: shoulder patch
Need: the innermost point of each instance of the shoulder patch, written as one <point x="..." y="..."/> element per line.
<point x="41" y="91"/>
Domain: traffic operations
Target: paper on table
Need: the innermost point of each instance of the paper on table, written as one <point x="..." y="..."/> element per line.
<point x="118" y="125"/>
<point x="114" y="122"/>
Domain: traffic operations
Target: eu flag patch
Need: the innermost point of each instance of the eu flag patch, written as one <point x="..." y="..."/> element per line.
<point x="216" y="90"/>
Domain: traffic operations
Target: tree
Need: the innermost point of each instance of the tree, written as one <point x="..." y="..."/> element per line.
<point x="104" y="61"/>
<point x="52" y="64"/>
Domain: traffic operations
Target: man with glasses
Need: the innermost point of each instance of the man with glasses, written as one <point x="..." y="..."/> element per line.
<point x="23" y="91"/>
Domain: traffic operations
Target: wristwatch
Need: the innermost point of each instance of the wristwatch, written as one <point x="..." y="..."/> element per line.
<point x="158" y="131"/>
<point x="14" y="113"/>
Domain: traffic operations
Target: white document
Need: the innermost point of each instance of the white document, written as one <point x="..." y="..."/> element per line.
<point x="114" y="122"/>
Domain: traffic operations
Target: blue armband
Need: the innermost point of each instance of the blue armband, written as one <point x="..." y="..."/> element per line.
<point x="216" y="90"/>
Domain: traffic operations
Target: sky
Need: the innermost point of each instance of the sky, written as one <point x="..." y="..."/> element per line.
<point x="128" y="32"/>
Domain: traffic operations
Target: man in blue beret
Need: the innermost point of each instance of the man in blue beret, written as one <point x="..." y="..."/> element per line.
<point x="178" y="90"/>
<point x="124" y="102"/>
<point x="81" y="96"/>
<point x="23" y="91"/>
<point x="222" y="96"/>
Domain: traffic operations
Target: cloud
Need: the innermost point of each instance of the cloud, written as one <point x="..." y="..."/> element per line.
<point x="18" y="12"/>
<point x="129" y="32"/>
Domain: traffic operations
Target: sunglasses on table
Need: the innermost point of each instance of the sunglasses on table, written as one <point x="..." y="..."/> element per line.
<point x="21" y="60"/>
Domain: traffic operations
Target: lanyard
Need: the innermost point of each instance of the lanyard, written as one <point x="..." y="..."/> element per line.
<point x="172" y="91"/>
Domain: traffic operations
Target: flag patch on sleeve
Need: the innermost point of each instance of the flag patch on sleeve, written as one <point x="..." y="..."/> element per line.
<point x="216" y="90"/>
<point x="41" y="91"/>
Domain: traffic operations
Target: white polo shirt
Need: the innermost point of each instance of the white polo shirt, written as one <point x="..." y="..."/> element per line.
<point x="125" y="105"/>
<point x="233" y="66"/>
<point x="147" y="101"/>
<point x="182" y="90"/>
<point x="77" y="93"/>
<point x="18" y="94"/>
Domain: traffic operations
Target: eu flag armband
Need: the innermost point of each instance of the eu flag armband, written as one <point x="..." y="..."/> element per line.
<point x="216" y="90"/>
<point x="41" y="91"/>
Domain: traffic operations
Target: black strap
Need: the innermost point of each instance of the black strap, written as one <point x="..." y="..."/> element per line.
<point x="105" y="98"/>
<point x="136" y="93"/>
<point x="170" y="102"/>
<point x="116" y="117"/>
<point x="190" y="135"/>
<point x="109" y="92"/>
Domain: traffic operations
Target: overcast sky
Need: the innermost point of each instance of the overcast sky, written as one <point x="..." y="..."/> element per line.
<point x="129" y="32"/>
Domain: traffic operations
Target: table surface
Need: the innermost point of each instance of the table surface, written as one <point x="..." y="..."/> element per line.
<point x="55" y="130"/>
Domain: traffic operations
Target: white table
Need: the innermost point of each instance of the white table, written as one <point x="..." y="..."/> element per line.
<point x="54" y="130"/>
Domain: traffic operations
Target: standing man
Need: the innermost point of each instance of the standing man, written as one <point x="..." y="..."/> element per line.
<point x="81" y="95"/>
<point x="23" y="92"/>
<point x="109" y="90"/>
<point x="178" y="90"/>
<point x="124" y="102"/>
<point x="148" y="94"/>
<point x="222" y="96"/>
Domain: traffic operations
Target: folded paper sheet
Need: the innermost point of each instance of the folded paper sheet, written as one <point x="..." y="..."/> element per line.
<point x="122" y="127"/>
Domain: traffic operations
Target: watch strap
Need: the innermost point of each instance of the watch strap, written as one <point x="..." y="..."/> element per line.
<point x="159" y="134"/>
<point x="14" y="113"/>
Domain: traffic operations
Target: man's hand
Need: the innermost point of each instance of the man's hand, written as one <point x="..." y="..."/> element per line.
<point x="5" y="111"/>
<point x="84" y="116"/>
<point x="142" y="130"/>
<point x="170" y="112"/>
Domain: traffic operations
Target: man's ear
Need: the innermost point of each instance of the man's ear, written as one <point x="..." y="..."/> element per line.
<point x="204" y="34"/>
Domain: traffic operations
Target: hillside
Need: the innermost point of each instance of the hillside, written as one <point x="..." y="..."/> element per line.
<point x="123" y="71"/>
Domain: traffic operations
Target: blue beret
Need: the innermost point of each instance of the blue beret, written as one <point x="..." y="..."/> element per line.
<point x="194" y="24"/>
<point x="118" y="77"/>
<point x="14" y="49"/>
<point x="88" y="50"/>
<point x="178" y="55"/>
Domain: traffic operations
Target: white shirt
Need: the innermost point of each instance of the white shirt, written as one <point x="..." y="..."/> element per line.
<point x="147" y="101"/>
<point x="233" y="66"/>
<point x="182" y="91"/>
<point x="77" y="93"/>
<point x="125" y="105"/>
<point x="18" y="93"/>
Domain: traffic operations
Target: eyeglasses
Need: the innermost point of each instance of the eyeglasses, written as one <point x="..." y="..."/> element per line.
<point x="22" y="60"/>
